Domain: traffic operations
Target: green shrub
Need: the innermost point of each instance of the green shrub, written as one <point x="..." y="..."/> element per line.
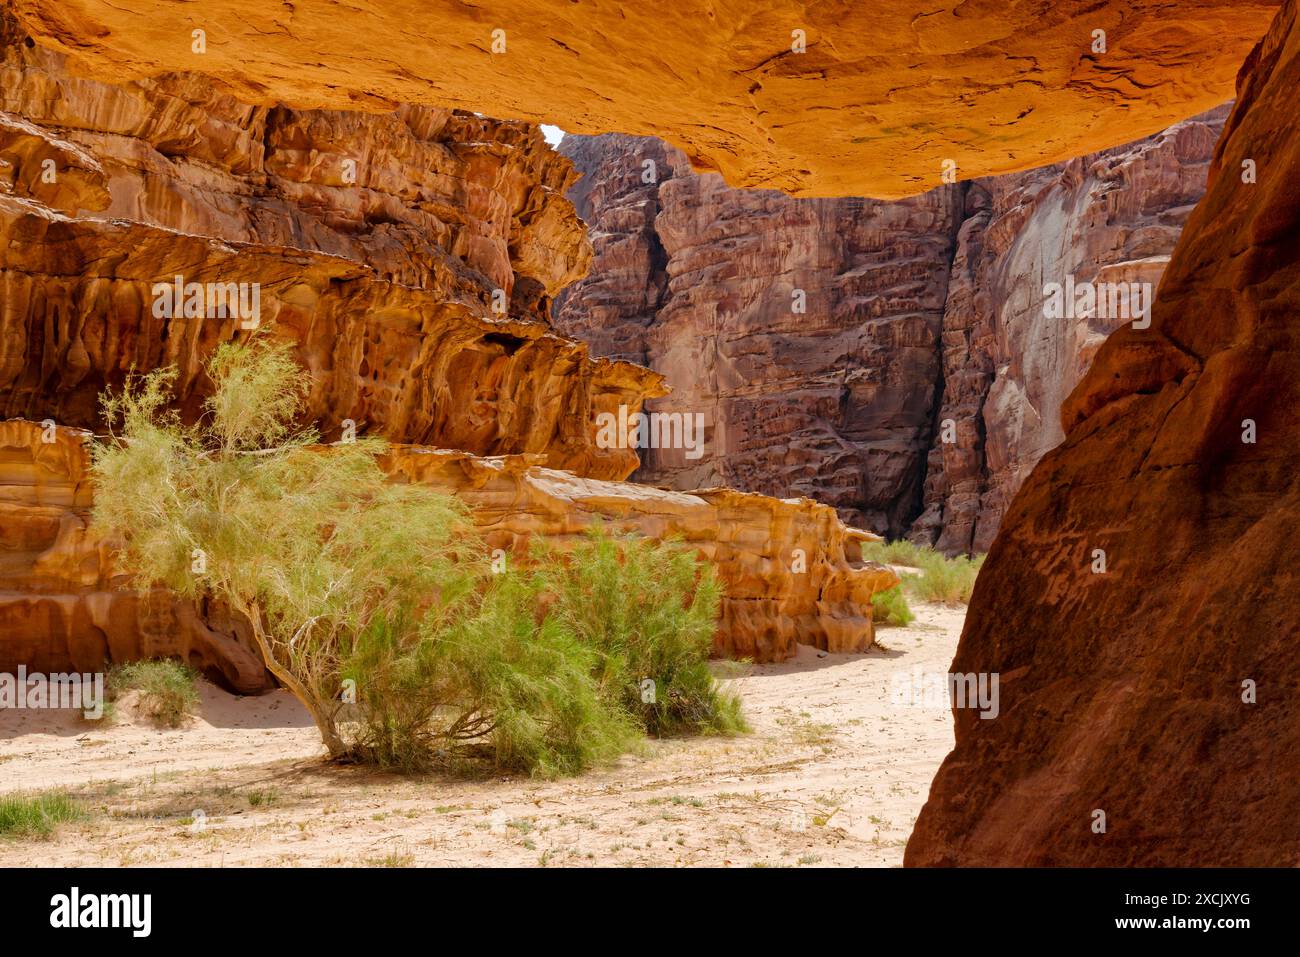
<point x="941" y="580"/>
<point x="168" y="690"/>
<point x="37" y="815"/>
<point x="491" y="682"/>
<point x="890" y="607"/>
<point x="948" y="581"/>
<point x="372" y="602"/>
<point x="649" y="610"/>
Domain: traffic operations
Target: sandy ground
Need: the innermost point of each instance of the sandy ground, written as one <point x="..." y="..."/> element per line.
<point x="834" y="773"/>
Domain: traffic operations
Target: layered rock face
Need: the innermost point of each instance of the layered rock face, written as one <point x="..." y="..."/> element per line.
<point x="805" y="98"/>
<point x="804" y="334"/>
<point x="1007" y="365"/>
<point x="412" y="257"/>
<point x="1160" y="691"/>
<point x="923" y="381"/>
<point x="791" y="572"/>
<point x="63" y="603"/>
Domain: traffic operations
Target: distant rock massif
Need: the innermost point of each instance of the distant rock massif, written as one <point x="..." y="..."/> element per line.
<point x="891" y="359"/>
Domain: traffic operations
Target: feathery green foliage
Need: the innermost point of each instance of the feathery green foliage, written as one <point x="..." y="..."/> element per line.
<point x="890" y="607"/>
<point x="649" y="609"/>
<point x="373" y="602"/>
<point x="942" y="579"/>
<point x="311" y="546"/>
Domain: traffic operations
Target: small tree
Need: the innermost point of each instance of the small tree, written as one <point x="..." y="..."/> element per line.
<point x="313" y="546"/>
<point x="372" y="601"/>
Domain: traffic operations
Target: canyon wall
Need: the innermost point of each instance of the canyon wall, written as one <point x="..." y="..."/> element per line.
<point x="918" y="314"/>
<point x="1159" y="688"/>
<point x="1109" y="217"/>
<point x="410" y="258"/>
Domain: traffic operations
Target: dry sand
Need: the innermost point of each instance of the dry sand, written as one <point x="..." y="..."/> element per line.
<point x="833" y="774"/>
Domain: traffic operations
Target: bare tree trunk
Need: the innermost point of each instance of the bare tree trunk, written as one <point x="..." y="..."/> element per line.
<point x="324" y="721"/>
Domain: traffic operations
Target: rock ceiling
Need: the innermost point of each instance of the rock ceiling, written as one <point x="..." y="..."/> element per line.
<point x="882" y="96"/>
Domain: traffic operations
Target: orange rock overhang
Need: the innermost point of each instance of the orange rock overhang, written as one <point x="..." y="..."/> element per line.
<point x="884" y="95"/>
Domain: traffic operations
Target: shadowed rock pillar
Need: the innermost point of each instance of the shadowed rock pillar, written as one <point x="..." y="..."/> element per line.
<point x="1123" y="691"/>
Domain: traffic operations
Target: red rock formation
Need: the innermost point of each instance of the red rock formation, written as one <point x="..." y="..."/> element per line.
<point x="63" y="604"/>
<point x="834" y="402"/>
<point x="1130" y="691"/>
<point x="614" y="306"/>
<point x="840" y="404"/>
<point x="1106" y="217"/>
<point x="825" y="99"/>
<point x="791" y="571"/>
<point x="387" y="284"/>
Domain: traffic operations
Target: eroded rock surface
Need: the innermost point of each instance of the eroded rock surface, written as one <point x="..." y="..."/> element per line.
<point x="1109" y="217"/>
<point x="922" y="382"/>
<point x="881" y="96"/>
<point x="64" y="606"/>
<point x="791" y="571"/>
<point x="1161" y="691"/>
<point x="412" y="256"/>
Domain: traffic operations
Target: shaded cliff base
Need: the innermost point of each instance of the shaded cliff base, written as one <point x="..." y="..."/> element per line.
<point x="830" y="754"/>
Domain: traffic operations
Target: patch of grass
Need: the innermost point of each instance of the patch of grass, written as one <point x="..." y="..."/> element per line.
<point x="393" y="859"/>
<point x="890" y="607"/>
<point x="263" y="798"/>
<point x="942" y="580"/>
<point x="168" y="689"/>
<point x="37" y="815"/>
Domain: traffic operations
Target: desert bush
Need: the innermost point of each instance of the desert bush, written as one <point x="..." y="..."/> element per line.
<point x="372" y="602"/>
<point x="945" y="580"/>
<point x="898" y="552"/>
<point x="890" y="607"/>
<point x="312" y="547"/>
<point x="168" y="690"/>
<point x="649" y="610"/>
<point x="37" y="815"/>
<point x="492" y="682"/>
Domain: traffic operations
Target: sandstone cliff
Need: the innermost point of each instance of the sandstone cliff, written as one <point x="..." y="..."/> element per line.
<point x="791" y="571"/>
<point x="919" y="314"/>
<point x="1159" y="691"/>
<point x="1111" y="217"/>
<point x="827" y="99"/>
<point x="411" y="257"/>
<point x="804" y="332"/>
